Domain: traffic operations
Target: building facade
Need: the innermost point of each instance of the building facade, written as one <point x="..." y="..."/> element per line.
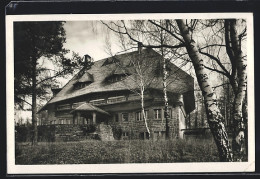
<point x="108" y="93"/>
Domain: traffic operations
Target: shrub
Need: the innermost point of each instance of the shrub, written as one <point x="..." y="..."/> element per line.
<point x="118" y="151"/>
<point x="117" y="132"/>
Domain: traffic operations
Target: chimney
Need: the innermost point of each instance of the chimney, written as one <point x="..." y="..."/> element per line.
<point x="87" y="59"/>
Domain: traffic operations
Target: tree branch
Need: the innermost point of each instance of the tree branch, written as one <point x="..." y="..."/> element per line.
<point x="49" y="78"/>
<point x="215" y="70"/>
<point x="23" y="100"/>
<point x="218" y="61"/>
<point x="212" y="45"/>
<point x="166" y="31"/>
<point x="137" y="41"/>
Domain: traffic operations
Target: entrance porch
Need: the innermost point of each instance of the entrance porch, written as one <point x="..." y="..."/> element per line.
<point x="89" y="114"/>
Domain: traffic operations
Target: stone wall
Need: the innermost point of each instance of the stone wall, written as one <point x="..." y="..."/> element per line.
<point x="74" y="132"/>
<point x="134" y="127"/>
<point x="52" y="133"/>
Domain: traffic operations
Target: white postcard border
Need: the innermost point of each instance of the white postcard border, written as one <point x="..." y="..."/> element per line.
<point x="127" y="168"/>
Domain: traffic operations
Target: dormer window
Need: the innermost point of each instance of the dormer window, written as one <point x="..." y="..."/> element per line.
<point x="80" y="85"/>
<point x="84" y="81"/>
<point x="115" y="78"/>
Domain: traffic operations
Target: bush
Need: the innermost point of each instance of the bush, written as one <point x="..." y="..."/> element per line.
<point x="127" y="151"/>
<point x="117" y="132"/>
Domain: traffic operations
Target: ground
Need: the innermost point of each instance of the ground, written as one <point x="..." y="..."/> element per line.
<point x="129" y="151"/>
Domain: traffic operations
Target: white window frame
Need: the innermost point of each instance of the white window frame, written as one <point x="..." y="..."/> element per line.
<point x="62" y="107"/>
<point x="116" y="99"/>
<point x="123" y="119"/>
<point x="96" y="101"/>
<point x="156" y="113"/>
<point x="125" y="134"/>
<point x="138" y="116"/>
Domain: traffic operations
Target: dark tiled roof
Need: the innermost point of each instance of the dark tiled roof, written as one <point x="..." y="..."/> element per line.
<point x="179" y="82"/>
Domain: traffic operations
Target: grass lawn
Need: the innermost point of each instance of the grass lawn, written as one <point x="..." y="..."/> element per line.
<point x="103" y="152"/>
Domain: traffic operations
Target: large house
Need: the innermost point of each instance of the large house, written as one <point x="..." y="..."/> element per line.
<point x="107" y="94"/>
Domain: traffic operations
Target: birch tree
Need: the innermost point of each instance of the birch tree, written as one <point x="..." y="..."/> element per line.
<point x="228" y="38"/>
<point x="140" y="74"/>
<point x="215" y="119"/>
<point x="221" y="53"/>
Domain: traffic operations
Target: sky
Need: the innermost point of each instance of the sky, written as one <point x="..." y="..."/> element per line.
<point x="88" y="37"/>
<point x="92" y="38"/>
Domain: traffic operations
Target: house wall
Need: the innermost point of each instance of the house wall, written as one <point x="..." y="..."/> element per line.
<point x="135" y="128"/>
<point x="132" y="128"/>
<point x="51" y="112"/>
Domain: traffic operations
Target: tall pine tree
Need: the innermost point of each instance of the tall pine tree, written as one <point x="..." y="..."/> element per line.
<point x="32" y="42"/>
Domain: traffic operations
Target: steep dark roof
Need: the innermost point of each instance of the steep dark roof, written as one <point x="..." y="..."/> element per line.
<point x="180" y="82"/>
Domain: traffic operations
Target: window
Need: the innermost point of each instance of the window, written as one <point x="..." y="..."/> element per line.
<point x="157" y="113"/>
<point x="98" y="102"/>
<point x="62" y="121"/>
<point x="124" y="117"/>
<point x="170" y="113"/>
<point x="116" y="78"/>
<point x="125" y="134"/>
<point x="143" y="135"/>
<point x="116" y="99"/>
<point x="116" y="118"/>
<point x="63" y="107"/>
<point x="138" y="116"/>
<point x="80" y="85"/>
<point x="137" y="97"/>
<point x="68" y="121"/>
<point x="75" y="105"/>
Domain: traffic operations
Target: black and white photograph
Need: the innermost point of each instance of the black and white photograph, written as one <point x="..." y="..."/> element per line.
<point x="122" y="93"/>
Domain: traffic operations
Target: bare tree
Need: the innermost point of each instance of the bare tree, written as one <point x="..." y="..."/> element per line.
<point x="184" y="44"/>
<point x="215" y="119"/>
<point x="139" y="74"/>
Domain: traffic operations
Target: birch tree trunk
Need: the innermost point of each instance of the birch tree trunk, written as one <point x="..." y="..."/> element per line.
<point x="215" y="119"/>
<point x="143" y="111"/>
<point x="166" y="106"/>
<point x="239" y="126"/>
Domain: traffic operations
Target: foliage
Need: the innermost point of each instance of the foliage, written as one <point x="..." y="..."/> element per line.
<point x="135" y="151"/>
<point x="22" y="133"/>
<point x="117" y="132"/>
<point x="88" y="129"/>
<point x="45" y="133"/>
<point x="35" y="45"/>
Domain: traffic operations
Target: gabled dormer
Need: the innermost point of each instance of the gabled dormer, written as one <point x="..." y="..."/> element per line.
<point x="117" y="75"/>
<point x="85" y="80"/>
